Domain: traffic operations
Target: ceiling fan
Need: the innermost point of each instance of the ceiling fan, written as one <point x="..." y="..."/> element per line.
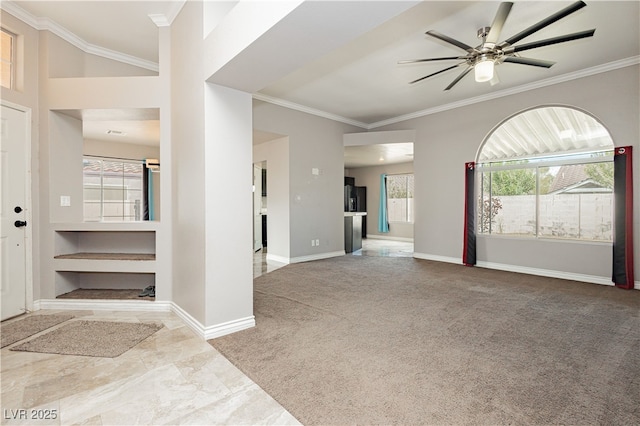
<point x="483" y="58"/>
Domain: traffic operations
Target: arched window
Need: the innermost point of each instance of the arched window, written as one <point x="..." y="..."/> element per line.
<point x="547" y="172"/>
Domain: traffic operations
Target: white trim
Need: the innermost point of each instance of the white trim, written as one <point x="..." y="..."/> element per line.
<point x="594" y="279"/>
<point x="388" y="237"/>
<point x="190" y="321"/>
<point x="42" y="24"/>
<point x="309" y="110"/>
<point x="103" y="305"/>
<point x="635" y="60"/>
<point x="436" y="258"/>
<point x="279" y="259"/>
<point x="319" y="256"/>
<point x="211" y="332"/>
<point x="229" y="327"/>
<point x="611" y="66"/>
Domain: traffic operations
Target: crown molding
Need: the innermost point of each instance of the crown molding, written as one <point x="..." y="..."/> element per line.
<point x="309" y="110"/>
<point x="160" y="19"/>
<point x="635" y="60"/>
<point x="166" y="19"/>
<point x="46" y="24"/>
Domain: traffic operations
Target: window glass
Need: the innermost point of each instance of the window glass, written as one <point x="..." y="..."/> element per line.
<point x="559" y="190"/>
<point x="400" y="204"/>
<point x="112" y="190"/>
<point x="7" y="48"/>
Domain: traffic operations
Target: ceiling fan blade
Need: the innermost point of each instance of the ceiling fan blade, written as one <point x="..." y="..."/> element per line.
<point x="436" y="73"/>
<point x="450" y="40"/>
<point x="498" y="22"/>
<point x="415" y="61"/>
<point x="550" y="41"/>
<point x="460" y="77"/>
<point x="528" y="61"/>
<point x="545" y="22"/>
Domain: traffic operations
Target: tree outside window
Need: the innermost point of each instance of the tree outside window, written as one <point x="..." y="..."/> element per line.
<point x="400" y="203"/>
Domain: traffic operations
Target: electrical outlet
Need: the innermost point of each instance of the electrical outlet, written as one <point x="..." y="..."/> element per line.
<point x="65" y="201"/>
<point x="317" y="242"/>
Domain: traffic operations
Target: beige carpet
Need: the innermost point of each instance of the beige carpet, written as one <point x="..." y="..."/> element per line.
<point x="15" y="330"/>
<point x="364" y="340"/>
<point x="90" y="338"/>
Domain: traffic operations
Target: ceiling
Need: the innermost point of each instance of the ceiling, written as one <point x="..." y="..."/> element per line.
<point x="361" y="82"/>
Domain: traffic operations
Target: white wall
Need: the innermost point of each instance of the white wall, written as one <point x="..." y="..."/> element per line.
<point x="228" y="177"/>
<point x="446" y="140"/>
<point x="276" y="155"/>
<point x="187" y="135"/>
<point x="212" y="168"/>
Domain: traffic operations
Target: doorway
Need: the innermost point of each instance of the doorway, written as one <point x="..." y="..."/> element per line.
<point x="15" y="249"/>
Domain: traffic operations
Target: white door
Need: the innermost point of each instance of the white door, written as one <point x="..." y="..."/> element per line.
<point x="13" y="178"/>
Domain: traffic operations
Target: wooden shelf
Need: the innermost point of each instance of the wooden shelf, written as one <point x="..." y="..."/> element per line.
<point x="109" y="256"/>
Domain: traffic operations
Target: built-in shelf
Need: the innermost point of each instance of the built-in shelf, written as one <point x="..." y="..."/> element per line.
<point x="108" y="256"/>
<point x="102" y="255"/>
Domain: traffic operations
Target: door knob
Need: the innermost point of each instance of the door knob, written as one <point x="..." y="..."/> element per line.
<point x="20" y="223"/>
<point x="18" y="209"/>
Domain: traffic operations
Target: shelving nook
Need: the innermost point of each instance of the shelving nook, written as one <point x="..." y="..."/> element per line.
<point x="104" y="255"/>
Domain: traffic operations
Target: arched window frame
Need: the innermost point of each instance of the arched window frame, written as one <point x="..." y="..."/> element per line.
<point x="488" y="207"/>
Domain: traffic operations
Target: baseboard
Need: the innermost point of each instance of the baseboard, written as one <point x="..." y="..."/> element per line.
<point x="436" y="258"/>
<point x="213" y="331"/>
<point x="388" y="237"/>
<point x="102" y="305"/>
<point x="593" y="279"/>
<point x="229" y="327"/>
<point x="317" y="256"/>
<point x="190" y="321"/>
<point x="279" y="259"/>
<point x="206" y="333"/>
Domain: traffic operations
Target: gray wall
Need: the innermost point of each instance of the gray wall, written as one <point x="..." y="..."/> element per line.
<point x="316" y="201"/>
<point x="446" y="140"/>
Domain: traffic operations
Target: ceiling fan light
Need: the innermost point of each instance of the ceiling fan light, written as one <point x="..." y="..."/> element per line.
<point x="484" y="70"/>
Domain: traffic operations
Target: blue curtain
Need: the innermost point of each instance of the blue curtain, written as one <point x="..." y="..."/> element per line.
<point x="150" y="195"/>
<point x="383" y="216"/>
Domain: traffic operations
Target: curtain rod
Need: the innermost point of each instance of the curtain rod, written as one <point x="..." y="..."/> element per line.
<point x="397" y="174"/>
<point x="114" y="158"/>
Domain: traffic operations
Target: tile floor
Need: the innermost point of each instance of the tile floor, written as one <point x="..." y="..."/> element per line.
<point x="173" y="377"/>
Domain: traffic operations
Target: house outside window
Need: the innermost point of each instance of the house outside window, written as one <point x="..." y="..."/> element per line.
<point x="7" y="60"/>
<point x="558" y="185"/>
<point x="400" y="203"/>
<point x="112" y="190"/>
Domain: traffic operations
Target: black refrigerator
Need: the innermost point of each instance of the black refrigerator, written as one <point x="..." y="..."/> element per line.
<point x="355" y="200"/>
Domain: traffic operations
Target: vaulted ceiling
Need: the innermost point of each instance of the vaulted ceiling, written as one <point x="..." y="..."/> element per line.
<point x="361" y="82"/>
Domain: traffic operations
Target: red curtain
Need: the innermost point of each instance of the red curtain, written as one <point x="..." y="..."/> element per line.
<point x="469" y="247"/>
<point x="622" y="274"/>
